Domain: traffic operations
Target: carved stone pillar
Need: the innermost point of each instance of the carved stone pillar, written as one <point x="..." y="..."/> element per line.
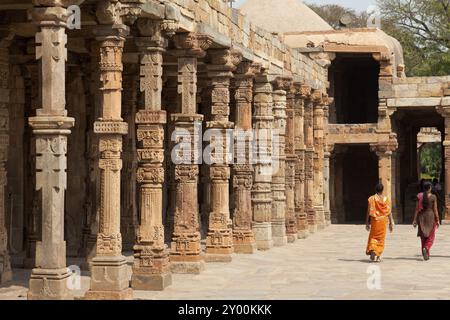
<point x="384" y="151"/>
<point x="129" y="208"/>
<point x="32" y="197"/>
<point x="281" y="85"/>
<point x="445" y="112"/>
<point x="302" y="94"/>
<point x="309" y="164"/>
<point x="243" y="238"/>
<point x="172" y="103"/>
<point x="151" y="258"/>
<point x="93" y="182"/>
<point x="326" y="175"/>
<point x="5" y="265"/>
<point x="185" y="255"/>
<point x="219" y="242"/>
<point x="262" y="183"/>
<point x="291" y="159"/>
<point x="318" y="125"/>
<point x="109" y="279"/>
<point x="51" y="126"/>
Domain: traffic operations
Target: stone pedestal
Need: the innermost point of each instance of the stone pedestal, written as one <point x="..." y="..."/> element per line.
<point x="262" y="184"/>
<point x="263" y="235"/>
<point x="109" y="278"/>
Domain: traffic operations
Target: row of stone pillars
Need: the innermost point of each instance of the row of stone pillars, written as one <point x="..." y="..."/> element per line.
<point x="269" y="209"/>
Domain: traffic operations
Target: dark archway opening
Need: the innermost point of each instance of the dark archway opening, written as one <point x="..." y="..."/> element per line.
<point x="354" y="85"/>
<point x="417" y="158"/>
<point x="356" y="174"/>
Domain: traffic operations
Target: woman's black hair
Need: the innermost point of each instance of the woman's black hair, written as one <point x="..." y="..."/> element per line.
<point x="379" y="188"/>
<point x="425" y="200"/>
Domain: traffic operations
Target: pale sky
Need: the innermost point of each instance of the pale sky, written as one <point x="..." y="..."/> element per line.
<point x="358" y="5"/>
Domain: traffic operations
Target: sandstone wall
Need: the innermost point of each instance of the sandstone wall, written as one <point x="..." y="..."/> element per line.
<point x="229" y="27"/>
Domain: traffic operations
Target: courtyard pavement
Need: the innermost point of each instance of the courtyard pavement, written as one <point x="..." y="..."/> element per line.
<point x="330" y="264"/>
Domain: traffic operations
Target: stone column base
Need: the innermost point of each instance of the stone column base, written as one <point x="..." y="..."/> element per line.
<point x="5" y="268"/>
<point x="90" y="252"/>
<point x="244" y="242"/>
<point x="125" y="294"/>
<point x="151" y="282"/>
<point x="109" y="279"/>
<point x="291" y="238"/>
<point x="50" y="284"/>
<point x="279" y="233"/>
<point x="320" y="218"/>
<point x="263" y="235"/>
<point x="187" y="267"/>
<point x="217" y="257"/>
<point x="302" y="234"/>
<point x="247" y="248"/>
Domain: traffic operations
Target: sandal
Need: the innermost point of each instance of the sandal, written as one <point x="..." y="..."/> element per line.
<point x="425" y="254"/>
<point x="372" y="255"/>
<point x="379" y="259"/>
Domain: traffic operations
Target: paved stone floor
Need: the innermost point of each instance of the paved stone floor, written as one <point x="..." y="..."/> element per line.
<point x="330" y="264"/>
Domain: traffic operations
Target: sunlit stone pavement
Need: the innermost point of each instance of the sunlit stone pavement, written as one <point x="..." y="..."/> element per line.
<point x="330" y="264"/>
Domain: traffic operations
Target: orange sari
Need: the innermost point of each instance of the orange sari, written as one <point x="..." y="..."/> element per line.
<point x="379" y="211"/>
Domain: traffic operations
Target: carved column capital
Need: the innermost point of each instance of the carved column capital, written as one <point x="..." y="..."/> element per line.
<point x="247" y="69"/>
<point x="224" y="59"/>
<point x="284" y="83"/>
<point x="316" y="97"/>
<point x="385" y="148"/>
<point x="112" y="12"/>
<point x="304" y="91"/>
<point x="155" y="33"/>
<point x="191" y="44"/>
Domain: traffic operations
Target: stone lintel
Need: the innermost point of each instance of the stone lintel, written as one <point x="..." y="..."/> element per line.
<point x="50" y="125"/>
<point x="113" y="32"/>
<point x="414" y="102"/>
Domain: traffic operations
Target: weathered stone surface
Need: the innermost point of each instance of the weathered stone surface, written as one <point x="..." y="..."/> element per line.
<point x="151" y="269"/>
<point x="262" y="184"/>
<point x="109" y="275"/>
<point x="51" y="127"/>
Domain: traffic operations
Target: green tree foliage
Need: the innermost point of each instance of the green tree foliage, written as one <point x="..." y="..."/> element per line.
<point x="421" y="26"/>
<point x="431" y="159"/>
<point x="332" y="13"/>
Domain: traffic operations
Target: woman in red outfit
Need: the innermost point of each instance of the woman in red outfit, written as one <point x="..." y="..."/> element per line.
<point x="426" y="218"/>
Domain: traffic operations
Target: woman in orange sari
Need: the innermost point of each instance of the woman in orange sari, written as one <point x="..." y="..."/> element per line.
<point x="378" y="214"/>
